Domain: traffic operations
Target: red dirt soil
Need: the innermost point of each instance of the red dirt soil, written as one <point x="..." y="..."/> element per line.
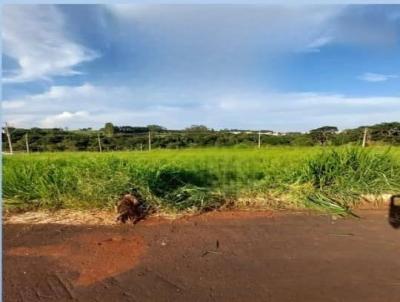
<point x="226" y="256"/>
<point x="90" y="255"/>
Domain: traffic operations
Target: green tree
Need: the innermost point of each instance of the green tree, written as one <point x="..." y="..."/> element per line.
<point x="109" y="129"/>
<point x="197" y="128"/>
<point x="156" y="128"/>
<point x="323" y="134"/>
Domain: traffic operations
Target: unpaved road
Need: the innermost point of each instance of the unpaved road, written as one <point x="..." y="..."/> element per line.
<point x="214" y="257"/>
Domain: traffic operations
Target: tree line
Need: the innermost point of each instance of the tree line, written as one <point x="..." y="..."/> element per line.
<point x="112" y="138"/>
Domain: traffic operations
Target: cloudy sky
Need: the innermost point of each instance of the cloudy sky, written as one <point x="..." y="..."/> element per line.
<point x="283" y="68"/>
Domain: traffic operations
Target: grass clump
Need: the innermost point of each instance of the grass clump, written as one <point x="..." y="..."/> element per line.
<point x="180" y="189"/>
<point x="340" y="178"/>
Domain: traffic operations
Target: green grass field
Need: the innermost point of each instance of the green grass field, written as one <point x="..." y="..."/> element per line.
<point x="332" y="179"/>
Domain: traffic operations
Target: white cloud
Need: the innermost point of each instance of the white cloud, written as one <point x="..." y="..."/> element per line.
<point x="60" y="120"/>
<point x="315" y="45"/>
<point x="92" y="106"/>
<point x="78" y="106"/>
<point x="376" y="77"/>
<point x="12" y="104"/>
<point x="367" y="26"/>
<point x="227" y="38"/>
<point x="275" y="28"/>
<point x="35" y="37"/>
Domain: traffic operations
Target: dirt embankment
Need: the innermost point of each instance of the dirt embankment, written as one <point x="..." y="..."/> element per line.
<point x="227" y="256"/>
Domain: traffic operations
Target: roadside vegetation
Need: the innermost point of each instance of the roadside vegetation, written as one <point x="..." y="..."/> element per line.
<point x="124" y="138"/>
<point x="333" y="179"/>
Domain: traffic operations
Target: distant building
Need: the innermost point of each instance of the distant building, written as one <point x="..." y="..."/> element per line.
<point x="262" y="132"/>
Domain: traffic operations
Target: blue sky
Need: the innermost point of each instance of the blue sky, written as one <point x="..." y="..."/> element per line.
<point x="286" y="68"/>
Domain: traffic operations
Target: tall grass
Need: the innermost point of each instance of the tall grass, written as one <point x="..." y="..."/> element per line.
<point x="340" y="178"/>
<point x="202" y="179"/>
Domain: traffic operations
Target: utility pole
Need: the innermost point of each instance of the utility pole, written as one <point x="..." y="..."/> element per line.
<point x="98" y="139"/>
<point x="259" y="139"/>
<point x="364" y="142"/>
<point x="9" y="139"/>
<point x="149" y="141"/>
<point x="27" y="143"/>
